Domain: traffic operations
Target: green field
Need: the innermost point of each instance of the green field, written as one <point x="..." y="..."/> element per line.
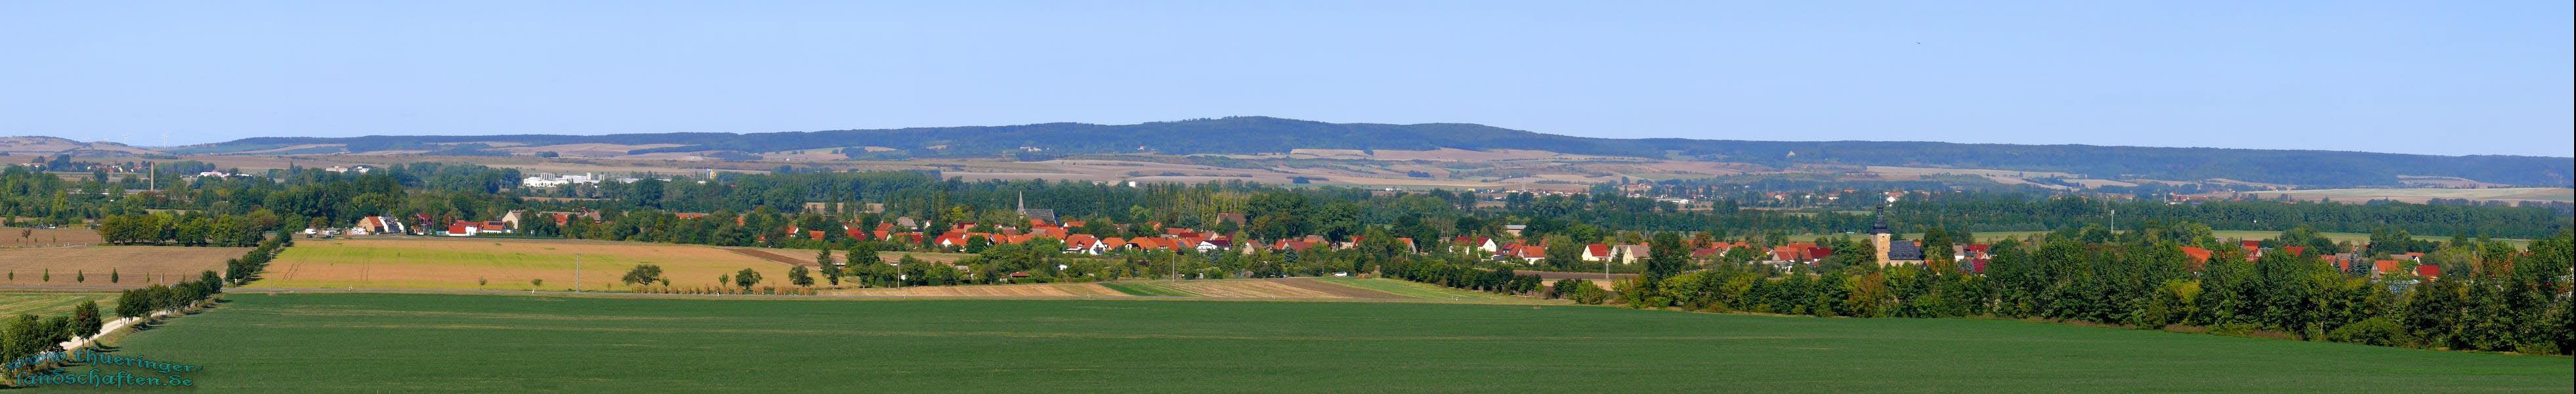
<point x="48" y="304"/>
<point x="486" y="343"/>
<point x="1415" y="289"/>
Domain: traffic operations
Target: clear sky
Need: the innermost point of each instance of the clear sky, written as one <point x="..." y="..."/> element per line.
<point x="2439" y="77"/>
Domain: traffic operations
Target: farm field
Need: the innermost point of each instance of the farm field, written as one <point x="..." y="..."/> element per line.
<point x="1048" y="290"/>
<point x="49" y="304"/>
<point x="488" y="343"/>
<point x="19" y="237"/>
<point x="805" y="257"/>
<point x="1415" y="289"/>
<point x="496" y="263"/>
<point x="132" y="266"/>
<point x="1992" y="236"/>
<point x="2419" y="195"/>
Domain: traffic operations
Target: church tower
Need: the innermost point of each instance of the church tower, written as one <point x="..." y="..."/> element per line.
<point x="1879" y="236"/>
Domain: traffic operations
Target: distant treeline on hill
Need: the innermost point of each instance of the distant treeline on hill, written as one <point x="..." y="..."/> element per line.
<point x="1252" y="134"/>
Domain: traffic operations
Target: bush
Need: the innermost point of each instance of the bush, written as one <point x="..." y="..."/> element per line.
<point x="2379" y="331"/>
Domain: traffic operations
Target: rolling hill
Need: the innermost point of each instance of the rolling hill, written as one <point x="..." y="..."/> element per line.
<point x="1267" y="135"/>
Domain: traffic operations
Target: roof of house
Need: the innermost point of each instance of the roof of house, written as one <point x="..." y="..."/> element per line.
<point x="2428" y="270"/>
<point x="2384" y="266"/>
<point x="2198" y="255"/>
<point x="1597" y="249"/>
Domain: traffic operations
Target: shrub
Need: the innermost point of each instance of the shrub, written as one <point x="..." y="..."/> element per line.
<point x="2379" y="331"/>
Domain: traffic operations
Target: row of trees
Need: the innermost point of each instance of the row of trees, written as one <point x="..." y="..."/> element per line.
<point x="2510" y="302"/>
<point x="145" y="301"/>
<point x="187" y="229"/>
<point x="245" y="269"/>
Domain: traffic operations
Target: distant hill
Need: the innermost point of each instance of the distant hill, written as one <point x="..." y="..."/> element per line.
<point x="41" y="145"/>
<point x="1254" y="134"/>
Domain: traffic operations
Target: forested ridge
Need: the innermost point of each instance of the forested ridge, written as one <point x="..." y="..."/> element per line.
<point x="1252" y="134"/>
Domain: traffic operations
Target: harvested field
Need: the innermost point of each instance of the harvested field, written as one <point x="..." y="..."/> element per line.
<point x="1603" y="284"/>
<point x="805" y="257"/>
<point x="1145" y="289"/>
<point x="488" y="263"/>
<point x="1246" y="288"/>
<point x="2419" y="196"/>
<point x="19" y="237"/>
<point x="1337" y="290"/>
<point x="1572" y="275"/>
<point x="1036" y="290"/>
<point x="1416" y="289"/>
<point x="131" y="266"/>
<point x="47" y="304"/>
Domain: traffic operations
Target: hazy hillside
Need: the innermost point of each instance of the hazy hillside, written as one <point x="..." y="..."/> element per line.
<point x="1274" y="135"/>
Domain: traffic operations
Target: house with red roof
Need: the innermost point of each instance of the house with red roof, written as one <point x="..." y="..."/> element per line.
<point x="1596" y="252"/>
<point x="2429" y="271"/>
<point x="1480" y="244"/>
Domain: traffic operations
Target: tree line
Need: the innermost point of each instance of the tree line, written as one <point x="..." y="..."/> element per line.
<point x="2514" y="301"/>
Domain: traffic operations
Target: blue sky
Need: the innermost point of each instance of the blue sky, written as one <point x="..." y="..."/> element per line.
<point x="2484" y="77"/>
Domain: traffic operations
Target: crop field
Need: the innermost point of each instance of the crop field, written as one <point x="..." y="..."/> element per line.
<point x="1993" y="236"/>
<point x="1415" y="289"/>
<point x="109" y="267"/>
<point x="49" y="304"/>
<point x="2419" y="195"/>
<point x="16" y="237"/>
<point x="1004" y="291"/>
<point x="493" y="343"/>
<point x="510" y="264"/>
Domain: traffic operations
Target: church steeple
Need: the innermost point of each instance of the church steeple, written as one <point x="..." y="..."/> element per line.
<point x="1881" y="227"/>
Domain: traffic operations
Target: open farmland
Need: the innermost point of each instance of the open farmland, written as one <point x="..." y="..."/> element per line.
<point x="132" y="266"/>
<point x="16" y="237"/>
<point x="495" y="263"/>
<point x="48" y="304"/>
<point x="2420" y="195"/>
<point x="1051" y="290"/>
<point x="486" y="343"/>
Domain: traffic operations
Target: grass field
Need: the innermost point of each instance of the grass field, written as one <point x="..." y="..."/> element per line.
<point x="49" y="304"/>
<point x="456" y="263"/>
<point x="131" y="266"/>
<point x="482" y="343"/>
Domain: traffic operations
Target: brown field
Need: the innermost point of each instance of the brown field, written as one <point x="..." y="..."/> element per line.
<point x="478" y="263"/>
<point x="134" y="266"/>
<point x="2356" y="196"/>
<point x="1572" y="275"/>
<point x="1596" y="282"/>
<point x="1036" y="290"/>
<point x="47" y="237"/>
<point x="1336" y="290"/>
<point x="1248" y="288"/>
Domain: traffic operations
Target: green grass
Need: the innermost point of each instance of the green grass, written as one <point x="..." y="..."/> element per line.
<point x="1146" y="289"/>
<point x="49" y="304"/>
<point x="1414" y="289"/>
<point x="481" y="343"/>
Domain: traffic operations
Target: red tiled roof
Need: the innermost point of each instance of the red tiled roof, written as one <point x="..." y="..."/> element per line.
<point x="2428" y="271"/>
